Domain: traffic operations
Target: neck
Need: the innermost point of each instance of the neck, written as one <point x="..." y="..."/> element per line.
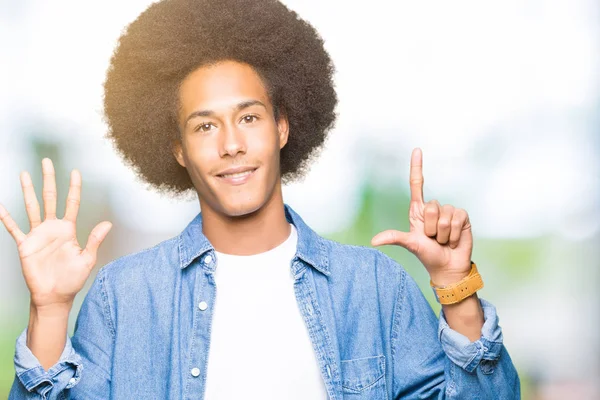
<point x="253" y="233"/>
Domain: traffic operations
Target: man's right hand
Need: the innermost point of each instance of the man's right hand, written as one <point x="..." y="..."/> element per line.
<point x="55" y="267"/>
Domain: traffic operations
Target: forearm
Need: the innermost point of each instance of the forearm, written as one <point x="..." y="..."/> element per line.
<point x="47" y="332"/>
<point x="478" y="364"/>
<point x="49" y="363"/>
<point x="447" y="364"/>
<point x="465" y="317"/>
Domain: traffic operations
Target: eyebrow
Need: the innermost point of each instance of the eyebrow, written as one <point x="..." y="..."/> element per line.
<point x="238" y="107"/>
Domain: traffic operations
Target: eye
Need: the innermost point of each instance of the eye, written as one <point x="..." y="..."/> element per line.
<point x="249" y="118"/>
<point x="203" y="127"/>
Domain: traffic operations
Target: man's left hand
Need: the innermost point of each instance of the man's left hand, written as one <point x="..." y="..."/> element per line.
<point x="440" y="236"/>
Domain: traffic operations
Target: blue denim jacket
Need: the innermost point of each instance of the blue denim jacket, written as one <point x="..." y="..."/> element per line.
<point x="140" y="333"/>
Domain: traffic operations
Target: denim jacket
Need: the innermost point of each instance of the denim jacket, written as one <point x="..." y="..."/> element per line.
<point x="141" y="335"/>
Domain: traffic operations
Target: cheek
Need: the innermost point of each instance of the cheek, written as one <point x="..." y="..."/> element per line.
<point x="200" y="158"/>
<point x="267" y="144"/>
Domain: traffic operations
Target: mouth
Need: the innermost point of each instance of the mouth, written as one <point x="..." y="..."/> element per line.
<point x="238" y="178"/>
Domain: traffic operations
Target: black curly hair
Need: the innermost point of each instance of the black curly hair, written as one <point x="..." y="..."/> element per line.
<point x="172" y="38"/>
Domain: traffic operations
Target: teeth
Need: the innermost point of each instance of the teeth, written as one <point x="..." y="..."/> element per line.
<point x="239" y="174"/>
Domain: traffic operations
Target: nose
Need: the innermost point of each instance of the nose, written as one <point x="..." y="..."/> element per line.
<point x="233" y="141"/>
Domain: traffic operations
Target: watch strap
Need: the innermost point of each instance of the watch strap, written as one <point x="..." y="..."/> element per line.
<point x="459" y="291"/>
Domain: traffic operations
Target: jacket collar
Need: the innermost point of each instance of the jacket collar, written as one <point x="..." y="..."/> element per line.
<point x="311" y="247"/>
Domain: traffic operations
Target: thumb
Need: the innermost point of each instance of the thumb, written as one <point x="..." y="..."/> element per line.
<point x="96" y="238"/>
<point x="391" y="236"/>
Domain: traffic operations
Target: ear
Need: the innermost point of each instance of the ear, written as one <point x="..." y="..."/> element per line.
<point x="177" y="149"/>
<point x="283" y="127"/>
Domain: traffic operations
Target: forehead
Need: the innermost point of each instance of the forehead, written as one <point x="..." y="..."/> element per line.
<point x="220" y="86"/>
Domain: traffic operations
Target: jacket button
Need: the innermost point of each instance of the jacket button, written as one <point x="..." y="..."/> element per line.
<point x="202" y="306"/>
<point x="195" y="372"/>
<point x="208" y="259"/>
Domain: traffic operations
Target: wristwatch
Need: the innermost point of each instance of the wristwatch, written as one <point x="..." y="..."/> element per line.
<point x="458" y="291"/>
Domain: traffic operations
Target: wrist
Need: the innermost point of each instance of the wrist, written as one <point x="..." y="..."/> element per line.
<point x="50" y="311"/>
<point x="466" y="317"/>
<point x="463" y="312"/>
<point x="448" y="278"/>
<point x="458" y="290"/>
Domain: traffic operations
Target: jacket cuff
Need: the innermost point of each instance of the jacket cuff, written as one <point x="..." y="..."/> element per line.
<point x="467" y="354"/>
<point x="66" y="372"/>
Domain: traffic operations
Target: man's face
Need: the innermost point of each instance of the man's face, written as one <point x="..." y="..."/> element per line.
<point x="227" y="121"/>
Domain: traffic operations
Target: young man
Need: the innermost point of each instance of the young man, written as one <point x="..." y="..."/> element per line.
<point x="228" y="99"/>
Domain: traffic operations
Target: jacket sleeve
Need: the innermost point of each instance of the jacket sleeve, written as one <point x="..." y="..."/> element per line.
<point x="84" y="367"/>
<point x="433" y="361"/>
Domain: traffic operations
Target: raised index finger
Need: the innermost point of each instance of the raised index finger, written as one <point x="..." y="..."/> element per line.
<point x="416" y="176"/>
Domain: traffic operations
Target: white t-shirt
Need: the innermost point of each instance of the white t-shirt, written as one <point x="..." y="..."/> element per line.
<point x="259" y="346"/>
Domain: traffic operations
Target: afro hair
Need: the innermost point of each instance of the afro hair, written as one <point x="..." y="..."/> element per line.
<point x="172" y="38"/>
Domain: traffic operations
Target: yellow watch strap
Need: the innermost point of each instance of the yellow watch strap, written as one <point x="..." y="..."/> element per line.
<point x="461" y="290"/>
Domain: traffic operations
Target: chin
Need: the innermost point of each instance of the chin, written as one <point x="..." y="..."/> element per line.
<point x="238" y="201"/>
<point x="233" y="208"/>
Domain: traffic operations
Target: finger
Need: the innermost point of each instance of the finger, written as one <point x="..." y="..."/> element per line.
<point x="74" y="197"/>
<point x="31" y="202"/>
<point x="443" y="225"/>
<point x="49" y="190"/>
<point x="459" y="218"/>
<point x="95" y="239"/>
<point x="416" y="176"/>
<point x="11" y="226"/>
<point x="431" y="214"/>
<point x="404" y="239"/>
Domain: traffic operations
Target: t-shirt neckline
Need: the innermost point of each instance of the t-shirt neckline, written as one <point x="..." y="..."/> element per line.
<point x="285" y="246"/>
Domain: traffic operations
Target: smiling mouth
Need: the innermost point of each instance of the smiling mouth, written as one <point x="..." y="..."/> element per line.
<point x="238" y="174"/>
<point x="238" y="178"/>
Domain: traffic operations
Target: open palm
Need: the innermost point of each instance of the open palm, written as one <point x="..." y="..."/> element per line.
<point x="54" y="266"/>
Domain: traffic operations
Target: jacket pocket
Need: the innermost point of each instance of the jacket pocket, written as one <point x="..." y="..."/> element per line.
<point x="364" y="378"/>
